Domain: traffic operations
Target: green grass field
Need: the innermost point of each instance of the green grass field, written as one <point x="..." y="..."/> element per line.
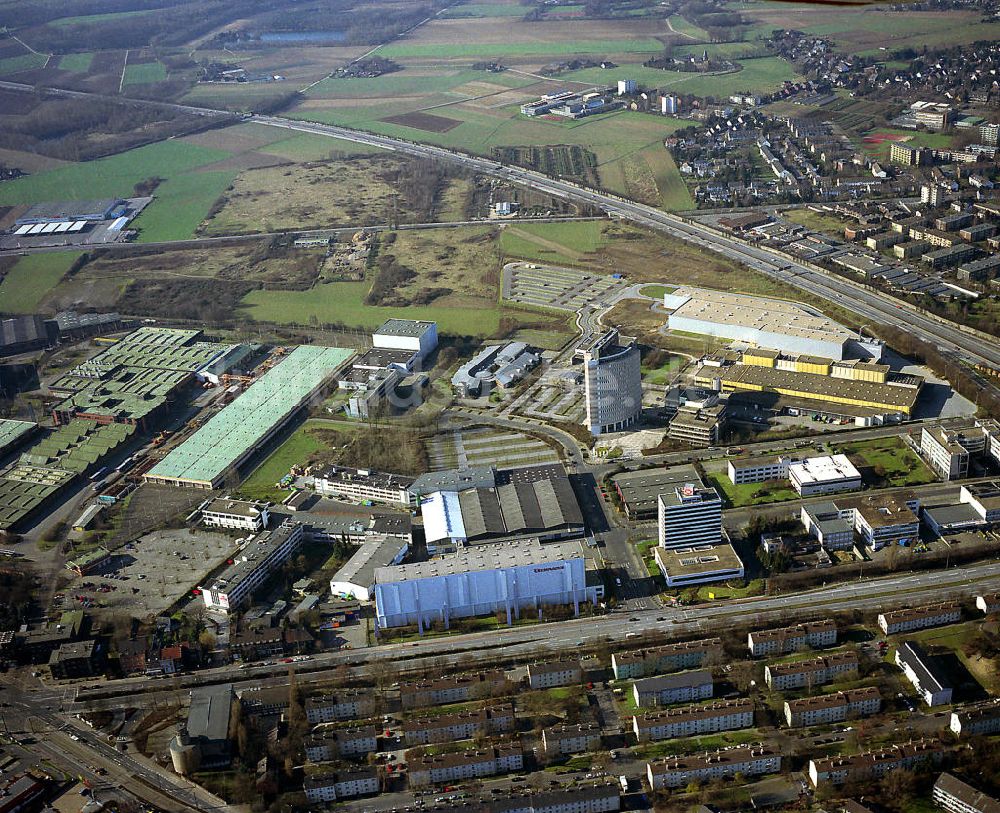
<point x="309" y="147"/>
<point x="182" y="200"/>
<point x="260" y="485"/>
<point x="739" y="496"/>
<point x="108" y="177"/>
<point x="27" y="283"/>
<point x="617" y="138"/>
<point x="95" y="19"/>
<point x="486" y="10"/>
<point x="145" y="73"/>
<point x="411" y="81"/>
<point x="657" y="291"/>
<point x="661" y="375"/>
<point x="557" y="243"/>
<point x="78" y="63"/>
<point x="343" y="302"/>
<point x="902" y="466"/>
<point x="181" y="204"/>
<point x="25" y="62"/>
<point x="757" y="76"/>
<point x="683" y="26"/>
<point x="404" y="50"/>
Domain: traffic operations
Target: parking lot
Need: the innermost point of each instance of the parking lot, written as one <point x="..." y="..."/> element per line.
<point x="563" y="288"/>
<point x="146" y="577"/>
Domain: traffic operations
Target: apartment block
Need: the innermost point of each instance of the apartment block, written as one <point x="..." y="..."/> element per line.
<point x="677" y="772"/>
<point x="571" y="739"/>
<point x="918" y="618"/>
<point x="953" y="795"/>
<point x="345" y="784"/>
<point x="924" y="673"/>
<point x="600" y="797"/>
<point x="813" y="672"/>
<point x="453" y="689"/>
<point x="667" y="658"/>
<point x="462" y="765"/>
<point x="873" y="764"/>
<point x="680" y="688"/>
<point x="833" y="708"/>
<point x="555" y="673"/>
<point x="347" y="704"/>
<point x="463" y="725"/>
<point x="988" y="603"/>
<point x="975" y="721"/>
<point x="686" y="721"/>
<point x="328" y="744"/>
<point x="783" y="640"/>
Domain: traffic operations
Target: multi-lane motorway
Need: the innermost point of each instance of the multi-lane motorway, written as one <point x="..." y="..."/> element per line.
<point x="868" y="303"/>
<point x="971" y="346"/>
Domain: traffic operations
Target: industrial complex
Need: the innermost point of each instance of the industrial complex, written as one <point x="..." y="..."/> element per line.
<point x="234" y="434"/>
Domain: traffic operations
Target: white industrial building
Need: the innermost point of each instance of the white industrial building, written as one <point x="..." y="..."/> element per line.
<point x="789" y="327"/>
<point x="824" y="475"/>
<point x="949" y="449"/>
<point x="612" y="381"/>
<point x="506" y="576"/>
<point x="758" y="469"/>
<point x="407" y="334"/>
<point x="356" y="577"/>
<point x="365" y="484"/>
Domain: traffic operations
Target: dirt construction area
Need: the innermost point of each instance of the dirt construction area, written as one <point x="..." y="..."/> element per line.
<point x="148" y="576"/>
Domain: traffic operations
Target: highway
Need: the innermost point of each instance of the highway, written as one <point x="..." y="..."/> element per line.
<point x="589" y="633"/>
<point x="971" y="346"/>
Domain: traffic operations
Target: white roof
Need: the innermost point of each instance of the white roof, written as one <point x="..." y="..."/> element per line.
<point x="23" y="229"/>
<point x="827" y="469"/>
<point x="442" y="515"/>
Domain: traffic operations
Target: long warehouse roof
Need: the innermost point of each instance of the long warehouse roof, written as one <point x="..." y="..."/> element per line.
<point x="234" y="431"/>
